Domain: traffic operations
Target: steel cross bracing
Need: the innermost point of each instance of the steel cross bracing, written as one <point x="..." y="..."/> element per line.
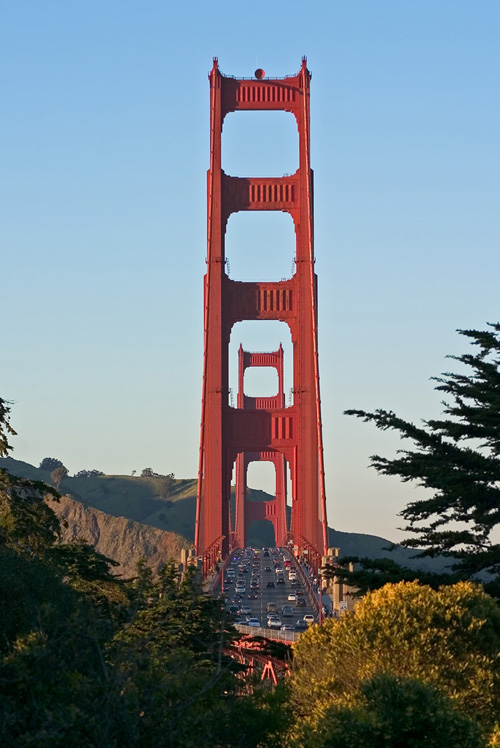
<point x="288" y="436"/>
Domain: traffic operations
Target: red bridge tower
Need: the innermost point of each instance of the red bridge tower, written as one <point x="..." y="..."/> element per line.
<point x="257" y="429"/>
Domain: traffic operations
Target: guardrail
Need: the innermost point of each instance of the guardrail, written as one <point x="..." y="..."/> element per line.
<point x="288" y="637"/>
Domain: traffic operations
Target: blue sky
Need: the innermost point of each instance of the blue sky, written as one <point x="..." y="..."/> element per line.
<point x="104" y="130"/>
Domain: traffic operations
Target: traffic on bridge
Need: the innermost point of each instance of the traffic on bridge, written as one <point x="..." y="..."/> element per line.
<point x="268" y="594"/>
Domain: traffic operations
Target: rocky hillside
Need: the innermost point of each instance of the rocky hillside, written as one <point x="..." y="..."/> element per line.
<point x="118" y="538"/>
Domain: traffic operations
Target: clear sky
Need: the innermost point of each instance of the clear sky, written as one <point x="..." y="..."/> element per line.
<point x="104" y="150"/>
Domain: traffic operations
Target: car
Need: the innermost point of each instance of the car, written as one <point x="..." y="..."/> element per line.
<point x="301" y="625"/>
<point x="246" y="610"/>
<point x="253" y="595"/>
<point x="254" y="622"/>
<point x="274" y="623"/>
<point x="280" y="580"/>
<point x="292" y="596"/>
<point x="300" y="602"/>
<point x="309" y="619"/>
<point x="270" y="584"/>
<point x="234" y="609"/>
<point x="287" y="610"/>
<point x="242" y="620"/>
<point x="287" y="627"/>
<point x="268" y="568"/>
<point x="272" y="607"/>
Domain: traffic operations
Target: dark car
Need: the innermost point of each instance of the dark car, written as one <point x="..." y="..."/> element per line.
<point x="270" y="584"/>
<point x="280" y="580"/>
<point x="300" y="602"/>
<point x="301" y="625"/>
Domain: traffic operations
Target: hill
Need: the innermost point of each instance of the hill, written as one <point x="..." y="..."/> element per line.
<point x="120" y="539"/>
<point x="169" y="505"/>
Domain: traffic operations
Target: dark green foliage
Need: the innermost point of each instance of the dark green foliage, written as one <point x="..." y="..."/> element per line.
<point x="89" y="660"/>
<point x="88" y="474"/>
<point x="26" y="521"/>
<point x="49" y="464"/>
<point x="5" y="428"/>
<point x="458" y="459"/>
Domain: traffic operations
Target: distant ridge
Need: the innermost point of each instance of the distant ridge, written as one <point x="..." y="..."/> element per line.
<point x="169" y="505"/>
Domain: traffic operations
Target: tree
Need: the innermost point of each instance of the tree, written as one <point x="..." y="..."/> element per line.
<point x="447" y="640"/>
<point x="392" y="712"/>
<point x="88" y="474"/>
<point x="166" y="486"/>
<point x="5" y="428"/>
<point x="58" y="475"/>
<point x="457" y="458"/>
<point x="137" y="663"/>
<point x="49" y="464"/>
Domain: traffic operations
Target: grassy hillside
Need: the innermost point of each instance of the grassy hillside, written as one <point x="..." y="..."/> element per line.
<point x="170" y="504"/>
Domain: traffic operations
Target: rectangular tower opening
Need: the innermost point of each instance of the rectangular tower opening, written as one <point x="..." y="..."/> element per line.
<point x="260" y="245"/>
<point x="260" y="144"/>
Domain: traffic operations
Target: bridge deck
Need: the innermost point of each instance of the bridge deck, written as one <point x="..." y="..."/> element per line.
<point x="268" y="577"/>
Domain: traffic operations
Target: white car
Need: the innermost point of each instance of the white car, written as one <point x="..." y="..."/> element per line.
<point x="308" y="618"/>
<point x="292" y="596"/>
<point x="254" y="622"/>
<point x="274" y="623"/>
<point x="246" y="610"/>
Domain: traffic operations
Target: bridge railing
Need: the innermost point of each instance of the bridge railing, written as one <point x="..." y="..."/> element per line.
<point x="287" y="637"/>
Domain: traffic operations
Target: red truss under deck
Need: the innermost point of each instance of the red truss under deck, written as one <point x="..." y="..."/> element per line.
<point x="260" y="428"/>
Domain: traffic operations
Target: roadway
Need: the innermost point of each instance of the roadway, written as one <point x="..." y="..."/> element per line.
<point x="259" y="570"/>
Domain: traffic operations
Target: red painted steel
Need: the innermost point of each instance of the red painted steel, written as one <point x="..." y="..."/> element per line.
<point x="260" y="428"/>
<point x="247" y="511"/>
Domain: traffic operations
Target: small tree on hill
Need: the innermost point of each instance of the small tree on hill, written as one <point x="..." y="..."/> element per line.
<point x="58" y="475"/>
<point x="49" y="464"/>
